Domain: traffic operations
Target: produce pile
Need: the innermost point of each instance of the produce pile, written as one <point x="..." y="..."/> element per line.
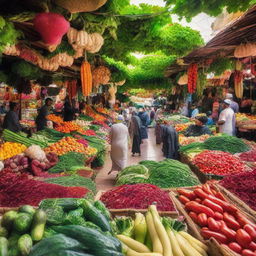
<point x="173" y="119"/>
<point x="219" y="219"/>
<point x="219" y="163"/>
<point x="10" y="149"/>
<point x="188" y="140"/>
<point x="249" y="156"/>
<point x="55" y="119"/>
<point x="165" y="174"/>
<point x="91" y="113"/>
<point x="152" y="235"/>
<point x="243" y="186"/>
<point x="137" y="196"/>
<point x="19" y="189"/>
<point x="21" y="229"/>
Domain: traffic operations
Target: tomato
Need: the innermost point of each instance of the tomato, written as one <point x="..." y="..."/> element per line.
<point x="189" y="194"/>
<point x="193" y="216"/>
<point x="230" y="221"/>
<point x="212" y="205"/>
<point x="207" y="234"/>
<point x="243" y="238"/>
<point x="213" y="224"/>
<point x="252" y="246"/>
<point x="218" y="216"/>
<point x="235" y="247"/>
<point x="183" y="199"/>
<point x="198" y="208"/>
<point x="202" y="219"/>
<point x="247" y="252"/>
<point x="251" y="231"/>
<point x="229" y="233"/>
<point x="200" y="193"/>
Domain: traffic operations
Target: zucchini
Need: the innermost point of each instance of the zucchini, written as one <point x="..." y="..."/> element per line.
<point x="56" y="243"/>
<point x="3" y="232"/>
<point x="102" y="208"/>
<point x="25" y="244"/>
<point x="38" y="225"/>
<point x="13" y="252"/>
<point x="3" y="246"/>
<point x="95" y="216"/>
<point x="94" y="238"/>
<point x="27" y="209"/>
<point x="23" y="222"/>
<point x="8" y="219"/>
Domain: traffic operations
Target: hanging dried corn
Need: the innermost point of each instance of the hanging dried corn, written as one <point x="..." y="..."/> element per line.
<point x="238" y="80"/>
<point x="86" y="78"/>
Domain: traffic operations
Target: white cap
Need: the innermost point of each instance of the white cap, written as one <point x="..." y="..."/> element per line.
<point x="229" y="96"/>
<point x="227" y="101"/>
<point x="120" y="118"/>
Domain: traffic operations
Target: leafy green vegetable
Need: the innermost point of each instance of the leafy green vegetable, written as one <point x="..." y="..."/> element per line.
<point x="134" y="169"/>
<point x="173" y="224"/>
<point x="124" y="226"/>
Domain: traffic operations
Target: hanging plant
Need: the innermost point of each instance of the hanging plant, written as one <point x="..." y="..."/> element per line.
<point x="218" y="66"/>
<point x="201" y="83"/>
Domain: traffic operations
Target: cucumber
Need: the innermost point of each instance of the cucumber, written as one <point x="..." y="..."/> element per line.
<point x="56" y="243"/>
<point x="68" y="253"/>
<point x="13" y="252"/>
<point x="95" y="216"/>
<point x="95" y="239"/>
<point x="3" y="246"/>
<point x="3" y="232"/>
<point x="38" y="225"/>
<point x="79" y="212"/>
<point x="25" y="244"/>
<point x="8" y="219"/>
<point x="23" y="222"/>
<point x="102" y="208"/>
<point x="27" y="209"/>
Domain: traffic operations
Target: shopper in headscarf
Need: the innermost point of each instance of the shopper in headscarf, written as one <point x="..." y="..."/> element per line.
<point x="145" y="120"/>
<point x="170" y="142"/>
<point x="11" y="119"/>
<point x="199" y="128"/>
<point x="119" y="144"/>
<point x="134" y="130"/>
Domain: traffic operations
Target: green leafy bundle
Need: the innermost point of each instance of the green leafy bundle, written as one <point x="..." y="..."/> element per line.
<point x="220" y="65"/>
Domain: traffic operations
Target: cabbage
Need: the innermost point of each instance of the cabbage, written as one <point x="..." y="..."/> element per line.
<point x="132" y="179"/>
<point x="134" y="169"/>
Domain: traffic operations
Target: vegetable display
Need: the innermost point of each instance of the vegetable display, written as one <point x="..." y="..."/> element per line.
<point x="154" y="236"/>
<point x="218" y="218"/>
<point x="226" y="143"/>
<point x="137" y="196"/>
<point x="219" y="163"/>
<point x="21" y="229"/>
<point x="249" y="156"/>
<point x="10" y="149"/>
<point x="243" y="186"/>
<point x="165" y="174"/>
<point x="19" y="189"/>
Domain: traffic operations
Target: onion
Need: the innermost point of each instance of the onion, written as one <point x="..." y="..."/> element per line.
<point x="13" y="165"/>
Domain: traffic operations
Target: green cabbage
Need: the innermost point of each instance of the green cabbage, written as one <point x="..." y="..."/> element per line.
<point x="134" y="169"/>
<point x="131" y="179"/>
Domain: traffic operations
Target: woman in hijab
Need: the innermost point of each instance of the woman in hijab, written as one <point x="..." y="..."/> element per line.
<point x="119" y="144"/>
<point x="145" y="120"/>
<point x="134" y="131"/>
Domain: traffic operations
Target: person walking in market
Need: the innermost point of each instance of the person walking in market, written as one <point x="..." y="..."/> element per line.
<point x="226" y="121"/>
<point x="44" y="111"/>
<point x="119" y="137"/>
<point x="11" y="119"/>
<point x="145" y="120"/>
<point x="134" y="131"/>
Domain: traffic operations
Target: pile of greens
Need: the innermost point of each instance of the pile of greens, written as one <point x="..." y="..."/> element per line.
<point x="165" y="174"/>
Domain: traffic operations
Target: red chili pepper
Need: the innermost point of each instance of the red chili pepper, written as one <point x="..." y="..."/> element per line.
<point x="200" y="193"/>
<point x="198" y="200"/>
<point x="198" y="208"/>
<point x="230" y="221"/>
<point x="243" y="238"/>
<point x="251" y="231"/>
<point x="252" y="246"/>
<point x="225" y="206"/>
<point x="207" y="234"/>
<point x="220" y="196"/>
<point x="213" y="224"/>
<point x="229" y="233"/>
<point x="235" y="247"/>
<point x="212" y="205"/>
<point x="244" y="220"/>
<point x="247" y="252"/>
<point x="202" y="219"/>
<point x="183" y="199"/>
<point x="206" y="188"/>
<point x="218" y="216"/>
<point x="193" y="216"/>
<point x="189" y="194"/>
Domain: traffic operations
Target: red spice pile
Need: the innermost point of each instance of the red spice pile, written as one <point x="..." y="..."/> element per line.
<point x="137" y="196"/>
<point x="19" y="189"/>
<point x="249" y="156"/>
<point x="218" y="162"/>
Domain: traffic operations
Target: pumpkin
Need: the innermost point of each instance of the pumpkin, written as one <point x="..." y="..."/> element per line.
<point x="245" y="50"/>
<point x="86" y="78"/>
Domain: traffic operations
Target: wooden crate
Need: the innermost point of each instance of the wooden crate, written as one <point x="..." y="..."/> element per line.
<point x="131" y="212"/>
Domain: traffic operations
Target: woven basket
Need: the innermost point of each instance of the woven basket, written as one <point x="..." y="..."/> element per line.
<point x="75" y="6"/>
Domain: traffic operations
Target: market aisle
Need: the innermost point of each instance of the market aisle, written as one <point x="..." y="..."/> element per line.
<point x="150" y="151"/>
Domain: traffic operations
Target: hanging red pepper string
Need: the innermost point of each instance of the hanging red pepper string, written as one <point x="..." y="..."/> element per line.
<point x="192" y="77"/>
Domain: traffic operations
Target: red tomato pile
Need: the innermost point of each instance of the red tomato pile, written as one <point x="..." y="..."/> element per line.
<point x="218" y="162"/>
<point x="192" y="77"/>
<point x="219" y="219"/>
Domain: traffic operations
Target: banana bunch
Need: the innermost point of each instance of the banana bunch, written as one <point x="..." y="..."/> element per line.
<point x="156" y="236"/>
